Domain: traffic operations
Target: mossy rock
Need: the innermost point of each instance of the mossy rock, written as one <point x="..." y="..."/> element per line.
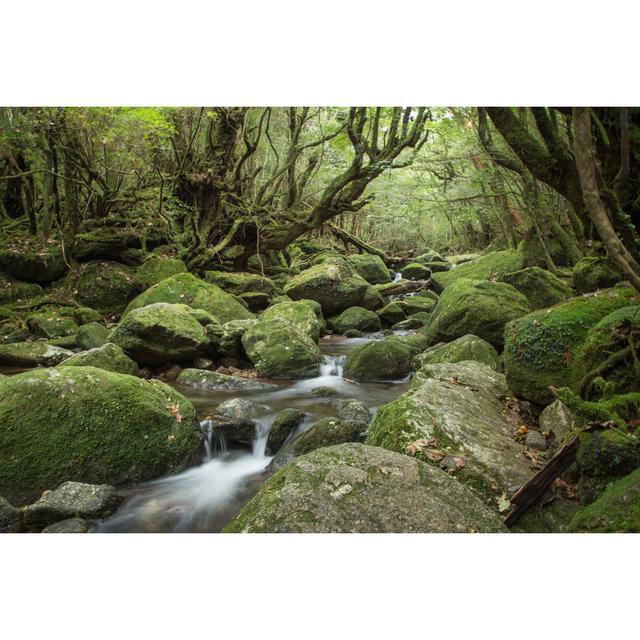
<point x="334" y="284"/>
<point x="370" y="267"/>
<point x="468" y="347"/>
<point x="255" y="301"/>
<point x="85" y="315"/>
<point x="355" y="318"/>
<point x="617" y="510"/>
<point x="414" y="321"/>
<point x="372" y="299"/>
<point x="105" y="286"/>
<point x="32" y="354"/>
<point x="415" y="271"/>
<point x="327" y="432"/>
<point x="431" y="256"/>
<point x="533" y="254"/>
<point x="476" y="307"/>
<point x="540" y="347"/>
<point x="164" y="333"/>
<point x="620" y="409"/>
<point x="157" y="268"/>
<point x="487" y="267"/>
<point x="91" y="425"/>
<point x="12" y="290"/>
<point x="355" y="488"/>
<point x="92" y="334"/>
<point x="185" y="288"/>
<point x="541" y="287"/>
<point x="285" y="423"/>
<point x="213" y="381"/>
<point x="109" y="357"/>
<point x="392" y="313"/>
<point x="304" y="315"/>
<point x="608" y="453"/>
<point x="38" y="263"/>
<point x="593" y="272"/>
<point x="417" y="304"/>
<point x="380" y="360"/>
<point x="51" y="325"/>
<point x="241" y="282"/>
<point x="279" y="350"/>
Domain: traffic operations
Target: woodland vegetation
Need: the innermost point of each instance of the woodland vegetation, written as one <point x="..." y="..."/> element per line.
<point x="489" y="255"/>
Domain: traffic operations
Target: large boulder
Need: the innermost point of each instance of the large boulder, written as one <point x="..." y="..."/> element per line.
<point x="355" y="488"/>
<point x="156" y="268"/>
<point x="44" y="263"/>
<point x="14" y="290"/>
<point x="185" y="288"/>
<point x="541" y="287"/>
<point x="333" y="283"/>
<point x="213" y="381"/>
<point x="326" y="432"/>
<point x="162" y="332"/>
<point x="540" y="347"/>
<point x="416" y="271"/>
<point x="284" y="424"/>
<point x="91" y="335"/>
<point x="355" y="318"/>
<point x="91" y="425"/>
<point x="593" y="272"/>
<point x="392" y="313"/>
<point x="109" y="357"/>
<point x="456" y="409"/>
<point x="370" y="267"/>
<point x="279" y="350"/>
<point x="478" y="307"/>
<point x="372" y="299"/>
<point x="102" y="285"/>
<point x="51" y="325"/>
<point x="468" y="347"/>
<point x="491" y="265"/>
<point x="241" y="282"/>
<point x="304" y="315"/>
<point x="32" y="354"/>
<point x="379" y="360"/>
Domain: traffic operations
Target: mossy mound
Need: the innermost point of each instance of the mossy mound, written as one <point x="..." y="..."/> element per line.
<point x="284" y="424"/>
<point x="355" y="488"/>
<point x="51" y="325"/>
<point x="392" y="313"/>
<point x="388" y="359"/>
<point x="35" y="263"/>
<point x="541" y="287"/>
<point x="157" y="268"/>
<point x="105" y="286"/>
<point x="334" y="284"/>
<point x="467" y="347"/>
<point x="355" y="318"/>
<point x="620" y="409"/>
<point x="304" y="315"/>
<point x="372" y="299"/>
<point x="617" y="510"/>
<point x="608" y="453"/>
<point x="593" y="273"/>
<point x="14" y="290"/>
<point x="476" y="307"/>
<point x="533" y="254"/>
<point x="415" y="271"/>
<point x="241" y="282"/>
<point x="109" y="357"/>
<point x="91" y="425"/>
<point x="414" y="321"/>
<point x="492" y="265"/>
<point x="92" y="334"/>
<point x="370" y="267"/>
<point x="164" y="333"/>
<point x="32" y="354"/>
<point x="417" y="304"/>
<point x="327" y="432"/>
<point x="279" y="350"/>
<point x="185" y="288"/>
<point x="540" y="347"/>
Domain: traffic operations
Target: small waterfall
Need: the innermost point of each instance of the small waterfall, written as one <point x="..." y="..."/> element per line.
<point x="333" y="366"/>
<point x="259" y="447"/>
<point x="214" y="441"/>
<point x="397" y="276"/>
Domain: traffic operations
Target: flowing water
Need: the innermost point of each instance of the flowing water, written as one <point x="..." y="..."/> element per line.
<point x="207" y="497"/>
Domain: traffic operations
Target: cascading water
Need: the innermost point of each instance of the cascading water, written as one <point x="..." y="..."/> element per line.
<point x="333" y="366"/>
<point x="397" y="276"/>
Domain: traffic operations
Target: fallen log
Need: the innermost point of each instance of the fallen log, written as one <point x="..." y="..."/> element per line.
<point x="403" y="286"/>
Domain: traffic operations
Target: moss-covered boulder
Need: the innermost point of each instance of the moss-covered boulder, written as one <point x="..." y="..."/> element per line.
<point x="213" y="381"/>
<point x="392" y="313"/>
<point x="541" y="287"/>
<point x="467" y="347"/>
<point x="540" y="347"/>
<point x="51" y="325"/>
<point x="416" y="271"/>
<point x="185" y="288"/>
<point x="327" y="432"/>
<point x="32" y="354"/>
<point x="41" y="263"/>
<point x="478" y="307"/>
<point x="92" y="334"/>
<point x="414" y="321"/>
<point x="608" y="453"/>
<point x="156" y="268"/>
<point x="109" y="357"/>
<point x="241" y="282"/>
<point x="102" y="285"/>
<point x="593" y="273"/>
<point x="355" y="318"/>
<point x="284" y="424"/>
<point x="360" y="489"/>
<point x="533" y="255"/>
<point x="617" y="510"/>
<point x="279" y="350"/>
<point x="334" y="284"/>
<point x="457" y="410"/>
<point x="388" y="359"/>
<point x="91" y="425"/>
<point x="12" y="290"/>
<point x="372" y="299"/>
<point x="370" y="267"/>
<point x="161" y="333"/>
<point x="304" y="315"/>
<point x="417" y="304"/>
<point x="491" y="265"/>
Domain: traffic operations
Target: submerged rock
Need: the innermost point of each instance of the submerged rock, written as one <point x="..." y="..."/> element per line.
<point x="468" y="347"/>
<point x="109" y="357"/>
<point x="32" y="354"/>
<point x="356" y="488"/>
<point x="91" y="425"/>
<point x="213" y="381"/>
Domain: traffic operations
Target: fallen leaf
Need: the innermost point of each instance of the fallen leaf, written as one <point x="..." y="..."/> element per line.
<point x="504" y="504"/>
<point x="175" y="411"/>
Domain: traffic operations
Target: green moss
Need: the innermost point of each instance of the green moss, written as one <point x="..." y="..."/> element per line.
<point x="32" y="354"/>
<point x="156" y="268"/>
<point x="51" y="325"/>
<point x="327" y="432"/>
<point x="416" y="271"/>
<point x="372" y="299"/>
<point x="305" y="317"/>
<point x="355" y="318"/>
<point x="541" y="287"/>
<point x="109" y="357"/>
<point x="241" y="282"/>
<point x="34" y="262"/>
<point x="387" y="359"/>
<point x="607" y="453"/>
<point x="533" y="254"/>
<point x="370" y="267"/>
<point x="491" y="265"/>
<point x="13" y="290"/>
<point x="92" y="334"/>
<point x="91" y="425"/>
<point x="392" y="313"/>
<point x="620" y="408"/>
<point x="467" y="347"/>
<point x="593" y="272"/>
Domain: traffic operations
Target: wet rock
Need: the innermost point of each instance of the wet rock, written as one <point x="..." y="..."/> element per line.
<point x="535" y="440"/>
<point x="388" y="359"/>
<point x="213" y="381"/>
<point x="353" y="333"/>
<point x="241" y="409"/>
<point x="72" y="500"/>
<point x="10" y="517"/>
<point x="32" y="354"/>
<point x="356" y="488"/>
<point x="202" y="363"/>
<point x="286" y="422"/>
<point x="72" y="525"/>
<point x="392" y="313"/>
<point x="327" y="432"/>
<point x="558" y="419"/>
<point x="468" y="347"/>
<point x="323" y="392"/>
<point x="355" y="318"/>
<point x="352" y="410"/>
